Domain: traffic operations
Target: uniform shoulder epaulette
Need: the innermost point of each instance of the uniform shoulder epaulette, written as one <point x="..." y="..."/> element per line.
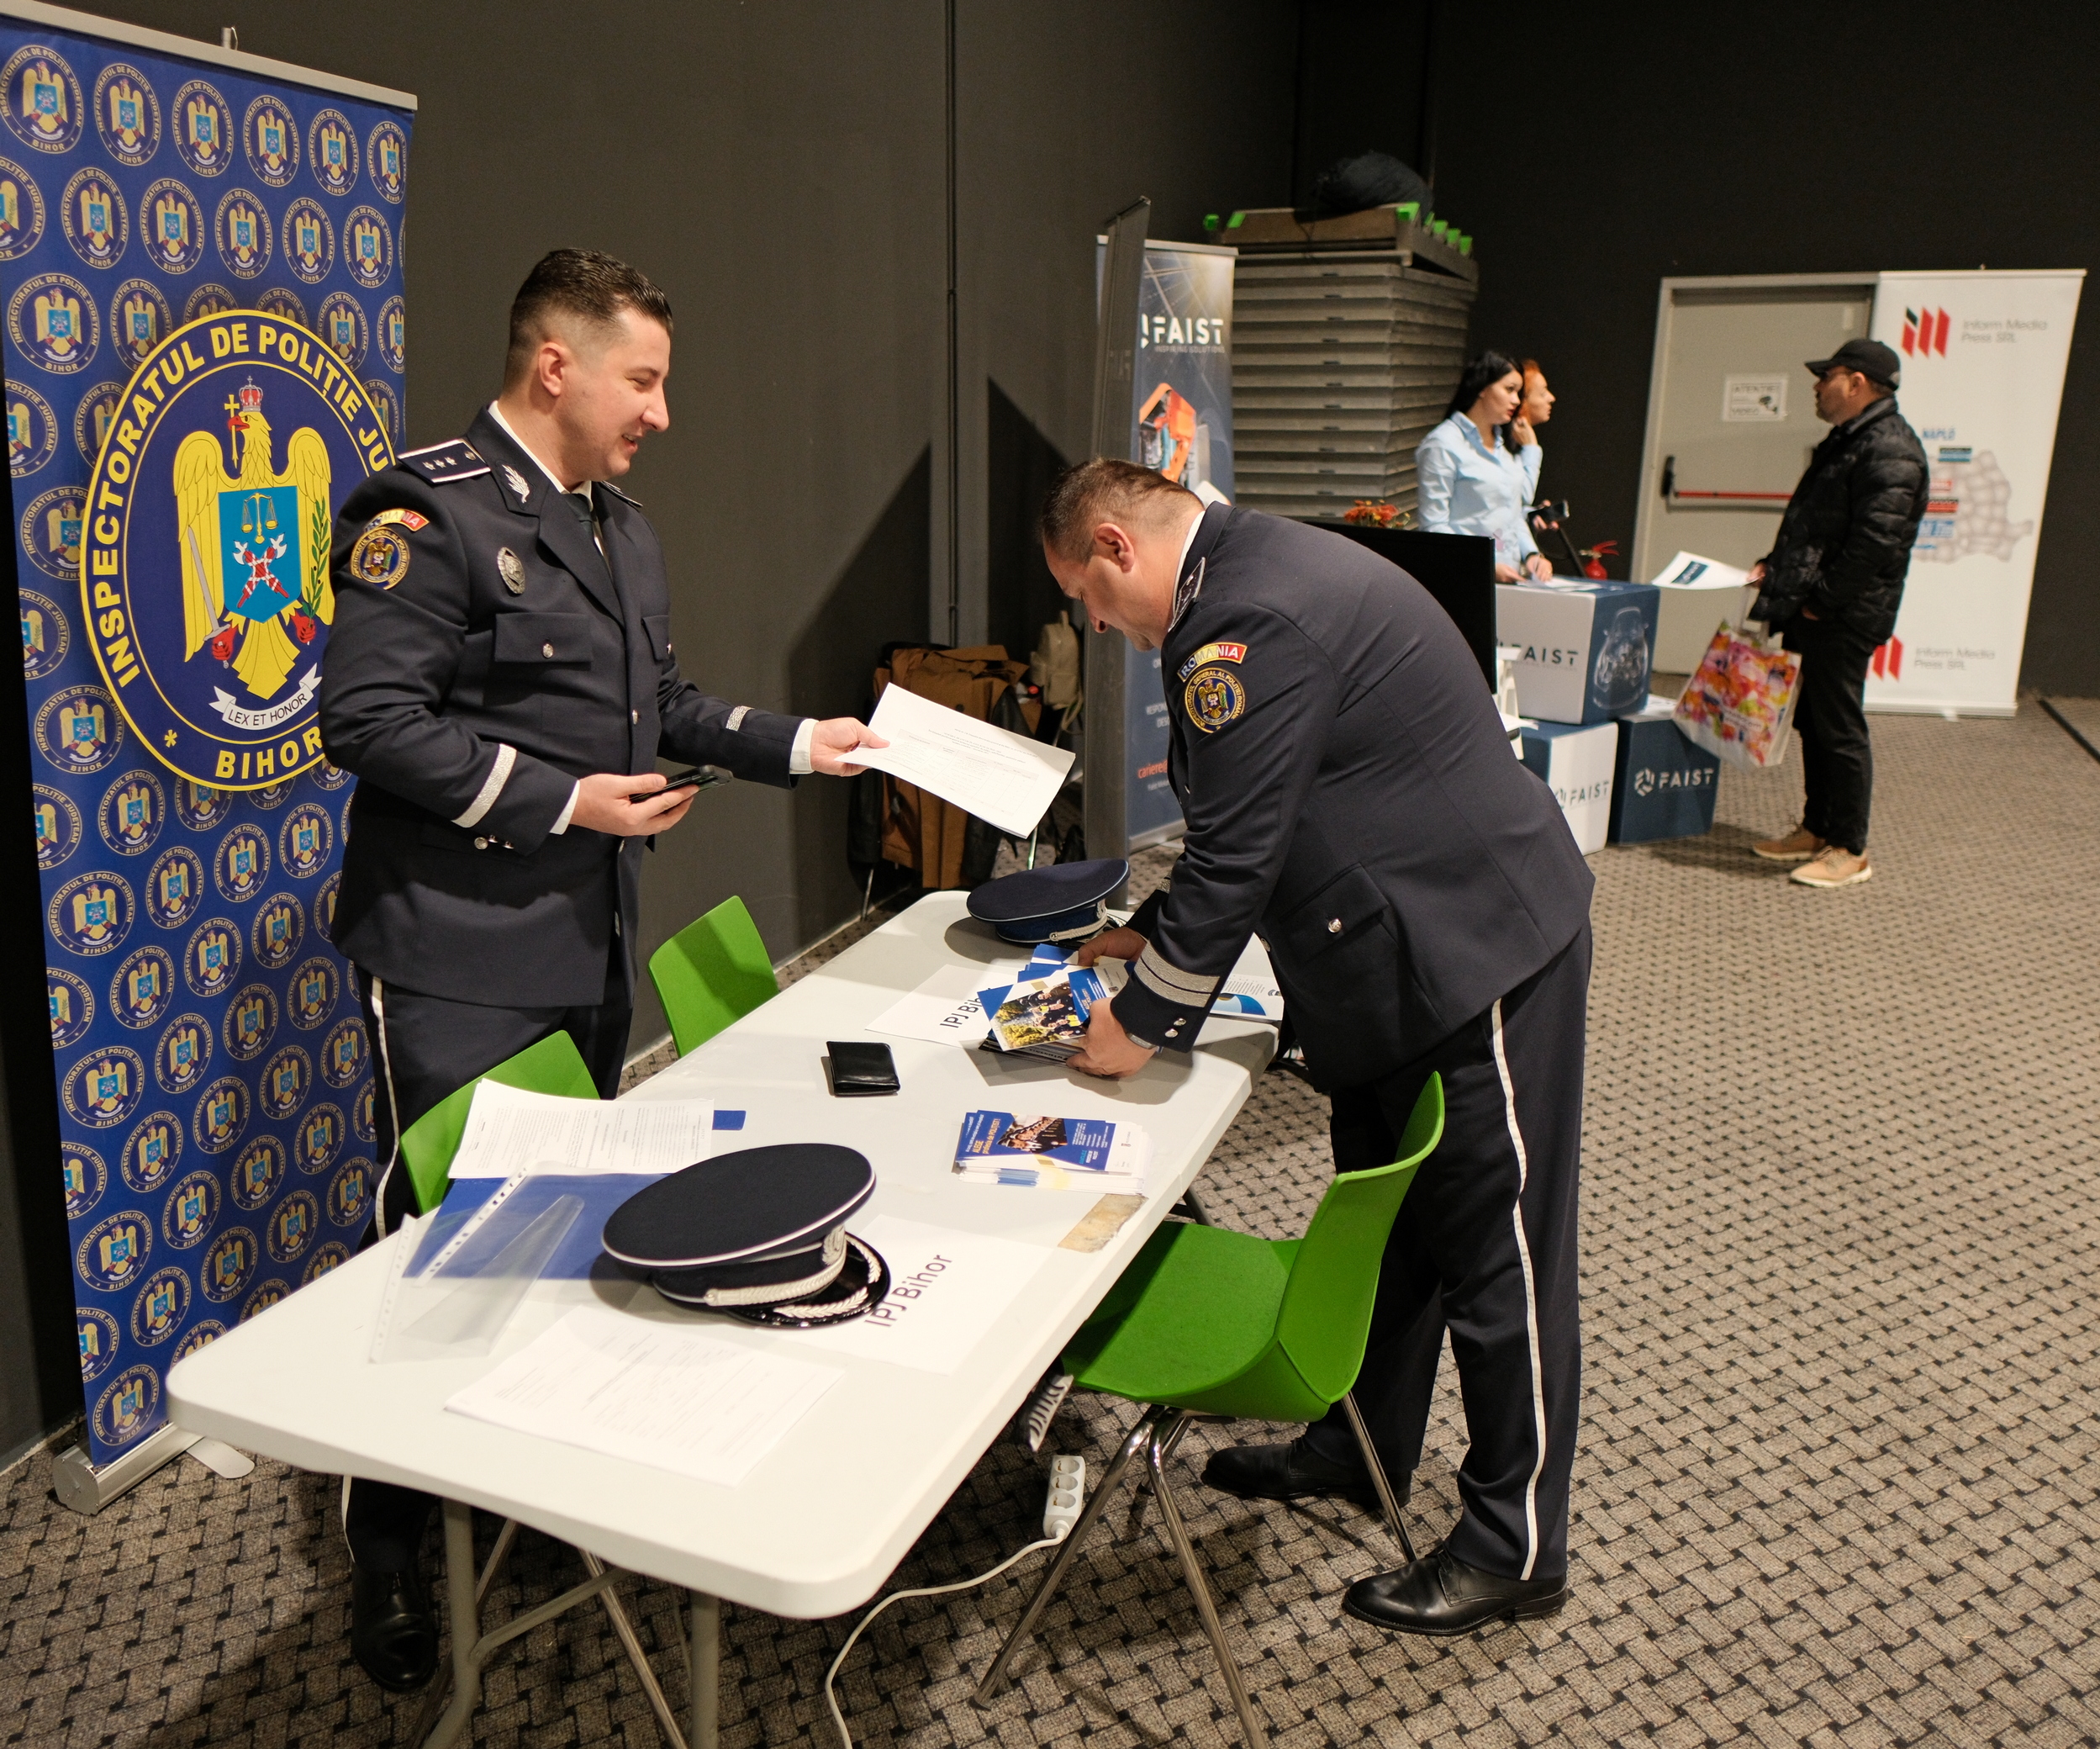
<point x="442" y="462"/>
<point x="625" y="497"/>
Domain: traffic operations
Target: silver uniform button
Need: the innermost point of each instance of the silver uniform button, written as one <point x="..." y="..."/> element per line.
<point x="1334" y="925"/>
<point x="634" y="717"/>
<point x="481" y="844"/>
<point x="548" y="650"/>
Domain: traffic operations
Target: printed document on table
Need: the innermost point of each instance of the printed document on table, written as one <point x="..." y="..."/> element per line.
<point x="944" y="1010"/>
<point x="510" y="1131"/>
<point x="999" y="776"/>
<point x="946" y="1289"/>
<point x="656" y="1394"/>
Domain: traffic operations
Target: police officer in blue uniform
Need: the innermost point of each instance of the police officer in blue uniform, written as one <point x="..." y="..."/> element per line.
<point x="501" y="677"/>
<point x="1349" y="792"/>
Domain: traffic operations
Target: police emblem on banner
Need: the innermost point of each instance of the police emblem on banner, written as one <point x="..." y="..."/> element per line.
<point x="32" y="430"/>
<point x="309" y="240"/>
<point x="113" y="1255"/>
<point x="104" y="1087"/>
<point x="208" y="299"/>
<point x="78" y="729"/>
<point x="221" y="1115"/>
<point x="343" y="1052"/>
<point x="328" y="776"/>
<point x="132" y="811"/>
<point x="174" y="887"/>
<point x="52" y="322"/>
<point x="363" y="1121"/>
<point x="72" y="1007"/>
<point x="284" y="305"/>
<point x="85" y="1176"/>
<point x="332" y="1255"/>
<point x="291" y="1226"/>
<point x="279" y="929"/>
<point x="57" y="826"/>
<point x="271" y="138"/>
<point x="192" y="1211"/>
<point x="92" y="913"/>
<point x="127" y="114"/>
<point x="125" y="1409"/>
<point x="200" y="807"/>
<point x="394" y="335"/>
<point x="171" y="226"/>
<point x="143" y="987"/>
<point x="380" y="393"/>
<point x="51" y="529"/>
<point x="343" y="326"/>
<point x="266" y="1296"/>
<point x="241" y="228"/>
<point x="242" y="863"/>
<point x="350" y="1194"/>
<point x="286" y="1081"/>
<point x="96" y="221"/>
<point x="331" y="151"/>
<point x="209" y="580"/>
<point x="198" y="1336"/>
<point x="387" y="154"/>
<point x="94" y="418"/>
<point x="311" y="996"/>
<point x="42" y="99"/>
<point x="368" y="247"/>
<point x="258" y="1172"/>
<point x="138" y="318"/>
<point x="212" y="959"/>
<point x="305" y="841"/>
<point x="203" y="129"/>
<point x="251" y="1023"/>
<point x="320" y="1136"/>
<point x="46" y="637"/>
<point x="162" y="1304"/>
<point x="21" y="211"/>
<point x="183" y="1053"/>
<point x="229" y="1265"/>
<point x="98" y="1338"/>
<point x="151" y="1153"/>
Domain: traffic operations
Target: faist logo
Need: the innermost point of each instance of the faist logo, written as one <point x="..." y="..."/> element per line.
<point x="1887" y="664"/>
<point x="1924" y="333"/>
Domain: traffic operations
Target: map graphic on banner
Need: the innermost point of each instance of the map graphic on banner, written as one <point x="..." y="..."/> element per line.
<point x="204" y="347"/>
<point x="1984" y="356"/>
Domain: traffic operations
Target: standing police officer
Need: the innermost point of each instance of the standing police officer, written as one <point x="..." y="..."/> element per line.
<point x="1349" y="790"/>
<point x="500" y="678"/>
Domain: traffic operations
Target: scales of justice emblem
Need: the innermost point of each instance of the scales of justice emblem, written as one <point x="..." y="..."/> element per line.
<point x="254" y="544"/>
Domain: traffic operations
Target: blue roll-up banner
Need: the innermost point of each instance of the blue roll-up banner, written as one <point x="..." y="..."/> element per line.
<point x="200" y="268"/>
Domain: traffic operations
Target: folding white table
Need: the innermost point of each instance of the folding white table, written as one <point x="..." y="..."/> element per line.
<point x="815" y="1529"/>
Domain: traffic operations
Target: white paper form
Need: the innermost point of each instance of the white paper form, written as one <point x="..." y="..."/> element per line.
<point x="946" y="1289"/>
<point x="944" y="1010"/>
<point x="653" y="1393"/>
<point x="999" y="776"/>
<point x="510" y="1130"/>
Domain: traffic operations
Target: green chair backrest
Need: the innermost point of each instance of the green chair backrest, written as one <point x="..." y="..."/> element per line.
<point x="553" y="1065"/>
<point x="711" y="973"/>
<point x="1325" y="1318"/>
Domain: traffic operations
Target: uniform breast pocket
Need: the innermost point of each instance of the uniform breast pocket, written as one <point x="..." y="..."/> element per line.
<point x="659" y="626"/>
<point x="542" y="640"/>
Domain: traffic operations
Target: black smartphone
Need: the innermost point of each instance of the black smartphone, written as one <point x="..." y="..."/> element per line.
<point x="857" y="1071"/>
<point x="701" y="777"/>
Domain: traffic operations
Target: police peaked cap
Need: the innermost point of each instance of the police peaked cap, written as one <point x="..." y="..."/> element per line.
<point x="1062" y="902"/>
<point x="752" y="1230"/>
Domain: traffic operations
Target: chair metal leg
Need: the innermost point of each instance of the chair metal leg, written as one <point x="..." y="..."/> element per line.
<point x="1053" y="1575"/>
<point x="703" y="1673"/>
<point x="1250" y="1727"/>
<point x="1378" y="1477"/>
<point x="623" y="1626"/>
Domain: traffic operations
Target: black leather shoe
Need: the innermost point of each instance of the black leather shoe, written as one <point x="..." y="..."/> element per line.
<point x="392" y="1629"/>
<point x="1441" y="1594"/>
<point x="1289" y="1471"/>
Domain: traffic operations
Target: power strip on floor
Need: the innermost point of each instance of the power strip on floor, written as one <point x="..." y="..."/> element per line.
<point x="1068" y="1495"/>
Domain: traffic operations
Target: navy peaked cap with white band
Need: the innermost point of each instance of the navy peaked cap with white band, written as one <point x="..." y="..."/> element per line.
<point x="1062" y="902"/>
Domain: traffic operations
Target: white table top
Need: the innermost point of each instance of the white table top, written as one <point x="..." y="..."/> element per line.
<point x="822" y="1522"/>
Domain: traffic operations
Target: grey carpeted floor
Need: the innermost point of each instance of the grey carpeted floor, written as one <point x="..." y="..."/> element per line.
<point x="1838" y="1479"/>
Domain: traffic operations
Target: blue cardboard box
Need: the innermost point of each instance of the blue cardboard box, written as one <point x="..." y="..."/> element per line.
<point x="1587" y="647"/>
<point x="1576" y="763"/>
<point x="1663" y="785"/>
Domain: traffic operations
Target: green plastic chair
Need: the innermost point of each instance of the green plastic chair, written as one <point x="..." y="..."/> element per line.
<point x="553" y="1065"/>
<point x="1206" y="1322"/>
<point x="712" y="973"/>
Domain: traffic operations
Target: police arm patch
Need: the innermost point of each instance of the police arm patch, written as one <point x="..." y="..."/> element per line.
<point x="1213" y="697"/>
<point x="381" y="556"/>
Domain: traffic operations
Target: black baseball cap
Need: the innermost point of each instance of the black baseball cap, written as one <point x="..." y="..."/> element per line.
<point x="1872" y="360"/>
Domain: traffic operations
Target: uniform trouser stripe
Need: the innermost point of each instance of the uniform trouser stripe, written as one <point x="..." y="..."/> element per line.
<point x="1530" y="1298"/>
<point x="393" y="1108"/>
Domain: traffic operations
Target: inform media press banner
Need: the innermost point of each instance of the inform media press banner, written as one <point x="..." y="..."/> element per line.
<point x="1984" y="355"/>
<point x="200" y="281"/>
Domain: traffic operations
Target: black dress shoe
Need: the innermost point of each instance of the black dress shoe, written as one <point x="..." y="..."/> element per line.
<point x="1289" y="1471"/>
<point x="392" y="1629"/>
<point x="1441" y="1594"/>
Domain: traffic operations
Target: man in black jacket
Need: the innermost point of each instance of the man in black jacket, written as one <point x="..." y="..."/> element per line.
<point x="1348" y="789"/>
<point x="1832" y="583"/>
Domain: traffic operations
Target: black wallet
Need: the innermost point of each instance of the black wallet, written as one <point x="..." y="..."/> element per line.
<point x="859" y="1071"/>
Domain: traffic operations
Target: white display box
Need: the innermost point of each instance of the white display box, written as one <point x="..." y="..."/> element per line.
<point x="1586" y="646"/>
<point x="1576" y="763"/>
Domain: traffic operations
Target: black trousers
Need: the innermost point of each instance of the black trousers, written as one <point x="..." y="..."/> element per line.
<point x="425" y="1049"/>
<point x="1484" y="1245"/>
<point x="1836" y="758"/>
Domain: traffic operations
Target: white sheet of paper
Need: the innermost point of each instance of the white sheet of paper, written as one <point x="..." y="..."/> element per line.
<point x="945" y="1290"/>
<point x="999" y="776"/>
<point x="944" y="1010"/>
<point x="1689" y="571"/>
<point x="675" y="1400"/>
<point x="510" y="1130"/>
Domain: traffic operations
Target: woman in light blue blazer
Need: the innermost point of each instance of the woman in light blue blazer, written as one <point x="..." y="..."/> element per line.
<point x="1476" y="473"/>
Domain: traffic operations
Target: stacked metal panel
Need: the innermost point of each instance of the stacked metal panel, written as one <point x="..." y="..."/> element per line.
<point x="1341" y="364"/>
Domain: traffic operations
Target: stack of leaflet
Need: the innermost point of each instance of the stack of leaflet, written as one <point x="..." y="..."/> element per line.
<point x="1053" y="1153"/>
<point x="1043" y="1013"/>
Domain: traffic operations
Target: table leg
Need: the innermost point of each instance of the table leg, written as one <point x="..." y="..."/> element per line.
<point x="465" y="1624"/>
<point x="703" y="1673"/>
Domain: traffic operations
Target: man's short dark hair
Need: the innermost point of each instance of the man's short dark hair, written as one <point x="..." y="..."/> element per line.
<point x="1103" y="490"/>
<point x="582" y="284"/>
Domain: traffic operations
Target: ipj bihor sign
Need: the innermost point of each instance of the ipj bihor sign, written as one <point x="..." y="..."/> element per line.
<point x="1984" y="355"/>
<point x="208" y="516"/>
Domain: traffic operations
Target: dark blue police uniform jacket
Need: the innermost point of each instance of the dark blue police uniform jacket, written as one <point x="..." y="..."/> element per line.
<point x="1350" y="792"/>
<point x="469" y="701"/>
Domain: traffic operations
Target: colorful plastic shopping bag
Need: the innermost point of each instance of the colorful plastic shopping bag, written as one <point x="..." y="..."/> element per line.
<point x="1740" y="704"/>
